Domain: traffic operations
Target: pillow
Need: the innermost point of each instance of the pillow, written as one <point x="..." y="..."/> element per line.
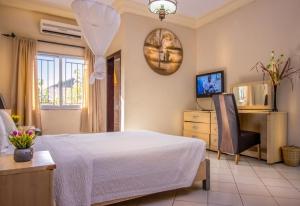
<point x="4" y="142"/>
<point x="8" y="122"/>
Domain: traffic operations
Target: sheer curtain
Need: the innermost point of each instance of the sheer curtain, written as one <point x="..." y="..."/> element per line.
<point x="92" y="111"/>
<point x="24" y="96"/>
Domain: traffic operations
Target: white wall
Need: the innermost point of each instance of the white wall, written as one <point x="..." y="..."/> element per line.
<point x="237" y="41"/>
<point x="153" y="101"/>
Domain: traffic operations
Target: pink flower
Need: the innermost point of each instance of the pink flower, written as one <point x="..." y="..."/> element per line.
<point x="15" y="133"/>
<point x="29" y="132"/>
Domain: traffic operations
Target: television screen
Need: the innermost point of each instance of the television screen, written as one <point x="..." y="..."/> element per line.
<point x="210" y="84"/>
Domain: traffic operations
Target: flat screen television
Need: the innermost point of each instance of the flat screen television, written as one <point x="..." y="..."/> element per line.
<point x="209" y="84"/>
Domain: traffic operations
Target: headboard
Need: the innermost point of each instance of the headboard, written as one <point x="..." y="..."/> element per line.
<point x="2" y="102"/>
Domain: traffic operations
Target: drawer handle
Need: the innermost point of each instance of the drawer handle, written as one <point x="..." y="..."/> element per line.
<point x="195" y="116"/>
<point x="195" y="127"/>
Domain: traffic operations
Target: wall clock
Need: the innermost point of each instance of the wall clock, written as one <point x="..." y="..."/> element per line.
<point x="163" y="51"/>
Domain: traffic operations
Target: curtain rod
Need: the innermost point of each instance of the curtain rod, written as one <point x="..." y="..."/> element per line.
<point x="13" y="35"/>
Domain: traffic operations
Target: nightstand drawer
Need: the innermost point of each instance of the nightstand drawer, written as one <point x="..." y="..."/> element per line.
<point x="197" y="127"/>
<point x="214" y="129"/>
<point x="204" y="137"/>
<point x="194" y="116"/>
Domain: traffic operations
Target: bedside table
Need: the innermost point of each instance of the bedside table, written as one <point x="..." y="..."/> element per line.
<point x="28" y="183"/>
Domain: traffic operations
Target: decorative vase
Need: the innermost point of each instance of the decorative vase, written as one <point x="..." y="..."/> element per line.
<point x="275" y="109"/>
<point x="23" y="155"/>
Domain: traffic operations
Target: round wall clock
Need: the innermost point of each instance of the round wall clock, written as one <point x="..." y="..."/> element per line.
<point x="163" y="51"/>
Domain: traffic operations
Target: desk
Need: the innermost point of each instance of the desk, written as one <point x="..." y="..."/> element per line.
<point x="271" y="125"/>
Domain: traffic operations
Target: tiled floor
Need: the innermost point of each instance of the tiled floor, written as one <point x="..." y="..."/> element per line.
<point x="251" y="183"/>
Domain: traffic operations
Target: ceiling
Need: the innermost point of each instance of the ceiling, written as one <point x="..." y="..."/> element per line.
<point x="194" y="8"/>
<point x="191" y="13"/>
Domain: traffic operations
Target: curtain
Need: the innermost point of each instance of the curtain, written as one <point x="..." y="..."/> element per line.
<point x="24" y="96"/>
<point x="92" y="111"/>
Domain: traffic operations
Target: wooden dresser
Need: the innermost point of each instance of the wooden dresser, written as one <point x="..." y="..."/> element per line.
<point x="271" y="125"/>
<point x="28" y="183"/>
<point x="197" y="124"/>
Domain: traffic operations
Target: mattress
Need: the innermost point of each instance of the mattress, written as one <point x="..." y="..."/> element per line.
<point x="94" y="168"/>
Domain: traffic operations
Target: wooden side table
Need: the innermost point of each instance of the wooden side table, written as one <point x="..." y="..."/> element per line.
<point x="29" y="183"/>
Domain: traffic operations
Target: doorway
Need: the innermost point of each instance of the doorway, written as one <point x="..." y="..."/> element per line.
<point x="113" y="104"/>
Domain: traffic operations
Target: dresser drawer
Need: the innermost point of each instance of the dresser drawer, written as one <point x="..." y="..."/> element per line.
<point x="214" y="141"/>
<point x="195" y="116"/>
<point x="197" y="127"/>
<point x="213" y="118"/>
<point x="214" y="129"/>
<point x="204" y="137"/>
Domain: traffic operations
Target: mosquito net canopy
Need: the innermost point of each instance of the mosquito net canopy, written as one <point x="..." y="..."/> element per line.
<point x="99" y="23"/>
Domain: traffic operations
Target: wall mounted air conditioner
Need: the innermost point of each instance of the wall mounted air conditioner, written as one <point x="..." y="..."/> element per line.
<point x="60" y="29"/>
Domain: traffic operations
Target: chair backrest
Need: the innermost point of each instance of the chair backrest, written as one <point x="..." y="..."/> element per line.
<point x="228" y="123"/>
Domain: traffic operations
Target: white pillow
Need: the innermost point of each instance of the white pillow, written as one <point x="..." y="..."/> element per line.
<point x="4" y="142"/>
<point x="8" y="122"/>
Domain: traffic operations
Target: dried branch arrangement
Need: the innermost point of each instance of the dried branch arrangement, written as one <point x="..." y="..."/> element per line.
<point x="278" y="69"/>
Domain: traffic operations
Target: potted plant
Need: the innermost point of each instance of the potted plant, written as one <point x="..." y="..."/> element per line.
<point x="22" y="140"/>
<point x="278" y="70"/>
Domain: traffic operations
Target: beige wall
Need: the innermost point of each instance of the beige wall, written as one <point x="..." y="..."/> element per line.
<point x="153" y="101"/>
<point x="237" y="41"/>
<point x="25" y="23"/>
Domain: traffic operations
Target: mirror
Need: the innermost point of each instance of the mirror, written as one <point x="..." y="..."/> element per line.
<point x="255" y="95"/>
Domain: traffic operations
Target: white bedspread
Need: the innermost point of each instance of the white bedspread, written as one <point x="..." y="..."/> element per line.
<point x="95" y="168"/>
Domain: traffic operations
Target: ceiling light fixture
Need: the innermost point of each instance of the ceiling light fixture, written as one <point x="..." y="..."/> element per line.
<point x="162" y="7"/>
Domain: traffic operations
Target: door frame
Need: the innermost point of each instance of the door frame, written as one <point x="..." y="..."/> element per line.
<point x="110" y="91"/>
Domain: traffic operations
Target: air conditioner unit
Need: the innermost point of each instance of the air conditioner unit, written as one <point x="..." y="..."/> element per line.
<point x="60" y="29"/>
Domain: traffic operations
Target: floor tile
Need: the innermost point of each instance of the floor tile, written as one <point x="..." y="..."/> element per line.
<point x="248" y="180"/>
<point x="291" y="174"/>
<point x="243" y="163"/>
<point x="222" y="178"/>
<point x="269" y="174"/>
<point x="221" y="171"/>
<point x="219" y="163"/>
<point x="253" y="200"/>
<point x="287" y="202"/>
<point x="192" y="195"/>
<point x="284" y="192"/>
<point x="295" y="183"/>
<point x="248" y="189"/>
<point x="224" y="198"/>
<point x="162" y="199"/>
<point x="283" y="167"/>
<point x="223" y="187"/>
<point x="184" y="203"/>
<point x="276" y="182"/>
<point x="258" y="163"/>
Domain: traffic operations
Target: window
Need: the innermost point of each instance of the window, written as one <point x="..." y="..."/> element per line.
<point x="60" y="81"/>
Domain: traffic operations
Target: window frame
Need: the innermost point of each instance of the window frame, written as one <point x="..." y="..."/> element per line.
<point x="61" y="106"/>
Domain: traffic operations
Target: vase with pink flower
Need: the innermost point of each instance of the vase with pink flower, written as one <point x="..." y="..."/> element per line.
<point x="23" y="141"/>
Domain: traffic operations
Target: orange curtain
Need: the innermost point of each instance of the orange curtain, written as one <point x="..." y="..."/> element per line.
<point x="92" y="111"/>
<point x="24" y="96"/>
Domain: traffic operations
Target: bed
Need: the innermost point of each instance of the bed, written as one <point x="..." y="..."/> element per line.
<point x="105" y="168"/>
